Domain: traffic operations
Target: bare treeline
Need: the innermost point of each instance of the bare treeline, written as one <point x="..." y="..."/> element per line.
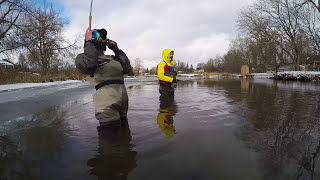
<point x="183" y="67"/>
<point x="34" y="31"/>
<point x="276" y="33"/>
<point x="272" y="33"/>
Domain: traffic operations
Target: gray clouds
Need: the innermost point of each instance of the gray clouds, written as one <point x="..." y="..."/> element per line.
<point x="196" y="30"/>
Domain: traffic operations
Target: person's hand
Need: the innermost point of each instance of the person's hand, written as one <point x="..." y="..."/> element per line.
<point x="175" y="80"/>
<point x="88" y="35"/>
<point x="112" y="45"/>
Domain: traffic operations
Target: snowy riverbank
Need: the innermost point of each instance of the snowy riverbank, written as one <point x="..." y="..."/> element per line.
<point x="9" y="87"/>
<point x="298" y="75"/>
<point x="286" y="75"/>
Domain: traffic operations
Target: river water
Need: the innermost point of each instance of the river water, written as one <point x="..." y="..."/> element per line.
<point x="211" y="129"/>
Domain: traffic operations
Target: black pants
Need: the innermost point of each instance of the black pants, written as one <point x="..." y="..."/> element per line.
<point x="165" y="89"/>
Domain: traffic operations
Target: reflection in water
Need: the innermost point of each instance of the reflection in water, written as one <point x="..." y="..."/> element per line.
<point x="244" y="84"/>
<point x="32" y="138"/>
<point x="271" y="127"/>
<point x="47" y="136"/>
<point x="168" y="108"/>
<point x="116" y="157"/>
<point x="283" y="127"/>
<point x="11" y="161"/>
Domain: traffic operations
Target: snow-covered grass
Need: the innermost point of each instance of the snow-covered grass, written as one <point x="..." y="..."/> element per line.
<point x="287" y="75"/>
<point x="262" y="75"/>
<point x="9" y="87"/>
<point x="298" y="75"/>
<point x="189" y="75"/>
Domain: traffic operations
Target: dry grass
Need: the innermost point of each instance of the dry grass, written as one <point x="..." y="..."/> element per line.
<point x="14" y="76"/>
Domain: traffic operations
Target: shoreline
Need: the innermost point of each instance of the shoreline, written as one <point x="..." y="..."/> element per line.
<point x="285" y="75"/>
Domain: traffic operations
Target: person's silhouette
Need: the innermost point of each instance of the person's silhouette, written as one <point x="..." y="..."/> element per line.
<point x="168" y="108"/>
<point x="115" y="158"/>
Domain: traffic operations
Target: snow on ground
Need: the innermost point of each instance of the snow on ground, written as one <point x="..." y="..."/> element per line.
<point x="9" y="87"/>
<point x="188" y="75"/>
<point x="293" y="74"/>
<point x="297" y="73"/>
<point x="216" y="76"/>
<point x="262" y="75"/>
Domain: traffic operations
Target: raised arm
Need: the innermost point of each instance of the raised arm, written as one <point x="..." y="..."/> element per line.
<point x="120" y="56"/>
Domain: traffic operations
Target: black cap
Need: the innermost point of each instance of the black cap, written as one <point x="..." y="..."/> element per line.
<point x="101" y="45"/>
<point x="103" y="33"/>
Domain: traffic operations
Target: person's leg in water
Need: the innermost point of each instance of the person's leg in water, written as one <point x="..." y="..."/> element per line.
<point x="114" y="158"/>
<point x="109" y="104"/>
<point x="165" y="89"/>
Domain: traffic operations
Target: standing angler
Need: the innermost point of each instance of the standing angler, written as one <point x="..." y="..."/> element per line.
<point x="105" y="72"/>
<point x="166" y="74"/>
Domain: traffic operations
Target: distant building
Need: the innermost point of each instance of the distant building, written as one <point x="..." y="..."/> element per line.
<point x="6" y="64"/>
<point x="199" y="71"/>
<point x="313" y="63"/>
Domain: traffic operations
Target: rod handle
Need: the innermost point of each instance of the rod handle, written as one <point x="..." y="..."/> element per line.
<point x="90" y="18"/>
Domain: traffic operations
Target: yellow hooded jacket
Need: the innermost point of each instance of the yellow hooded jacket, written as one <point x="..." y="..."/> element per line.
<point x="165" y="66"/>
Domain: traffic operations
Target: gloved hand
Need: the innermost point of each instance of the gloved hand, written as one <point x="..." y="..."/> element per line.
<point x="175" y="80"/>
<point x="112" y="45"/>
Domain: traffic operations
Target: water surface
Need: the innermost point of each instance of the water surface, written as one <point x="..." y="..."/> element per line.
<point x="211" y="129"/>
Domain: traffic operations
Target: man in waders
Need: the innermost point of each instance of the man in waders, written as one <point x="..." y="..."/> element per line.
<point x="105" y="73"/>
<point x="166" y="74"/>
<point x="167" y="83"/>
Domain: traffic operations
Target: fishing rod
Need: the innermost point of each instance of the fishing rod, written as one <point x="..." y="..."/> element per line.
<point x="95" y="33"/>
<point x="90" y="17"/>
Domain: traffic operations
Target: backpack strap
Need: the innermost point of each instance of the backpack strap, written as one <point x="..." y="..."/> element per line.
<point x="104" y="59"/>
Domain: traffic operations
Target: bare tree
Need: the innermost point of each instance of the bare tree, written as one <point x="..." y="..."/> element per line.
<point x="200" y="66"/>
<point x="209" y="66"/>
<point x="137" y="69"/>
<point x="279" y="21"/>
<point x="153" y="71"/>
<point x="191" y="68"/>
<point x="312" y="3"/>
<point x="12" y="18"/>
<point x="232" y="61"/>
<point x="311" y="22"/>
<point x="22" y="61"/>
<point x="43" y="38"/>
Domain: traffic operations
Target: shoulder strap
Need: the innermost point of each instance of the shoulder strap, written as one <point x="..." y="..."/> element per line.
<point x="104" y="59"/>
<point x="165" y="62"/>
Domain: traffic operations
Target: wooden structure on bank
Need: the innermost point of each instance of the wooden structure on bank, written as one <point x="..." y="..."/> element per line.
<point x="244" y="70"/>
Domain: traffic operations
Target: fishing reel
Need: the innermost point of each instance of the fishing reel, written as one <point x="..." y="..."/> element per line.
<point x="99" y="35"/>
<point x="95" y="35"/>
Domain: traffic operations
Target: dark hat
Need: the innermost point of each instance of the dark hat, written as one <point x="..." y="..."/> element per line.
<point x="103" y="33"/>
<point x="101" y="45"/>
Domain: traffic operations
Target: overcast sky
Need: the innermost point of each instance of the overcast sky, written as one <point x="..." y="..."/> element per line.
<point x="196" y="30"/>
